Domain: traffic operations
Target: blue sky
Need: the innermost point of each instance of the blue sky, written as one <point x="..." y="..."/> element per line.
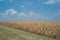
<point x="30" y="10"/>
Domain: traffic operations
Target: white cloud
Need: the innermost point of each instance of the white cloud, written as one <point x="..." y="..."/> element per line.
<point x="22" y="6"/>
<point x="58" y="12"/>
<point x="33" y="14"/>
<point x="30" y="14"/>
<point x="58" y="0"/>
<point x="52" y="1"/>
<point x="10" y="1"/>
<point x="1" y="0"/>
<point x="37" y="15"/>
<point x="10" y="11"/>
<point x="22" y="14"/>
<point x="38" y="1"/>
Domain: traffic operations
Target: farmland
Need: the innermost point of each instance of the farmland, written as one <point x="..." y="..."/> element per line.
<point x="7" y="33"/>
<point x="49" y="29"/>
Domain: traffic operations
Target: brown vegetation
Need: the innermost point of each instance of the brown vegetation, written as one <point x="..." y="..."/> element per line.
<point x="50" y="29"/>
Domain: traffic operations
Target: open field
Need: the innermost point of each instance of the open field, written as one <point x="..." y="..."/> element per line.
<point x="49" y="29"/>
<point x="7" y="33"/>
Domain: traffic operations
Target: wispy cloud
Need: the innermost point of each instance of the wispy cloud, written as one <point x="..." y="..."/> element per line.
<point x="22" y="14"/>
<point x="52" y="1"/>
<point x="1" y="0"/>
<point x="31" y="14"/>
<point x="22" y="6"/>
<point x="10" y="11"/>
<point x="10" y="1"/>
<point x="58" y="13"/>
